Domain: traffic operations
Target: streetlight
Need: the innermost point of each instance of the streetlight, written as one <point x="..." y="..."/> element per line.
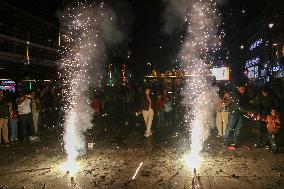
<point x="270" y="25"/>
<point x="242" y="46"/>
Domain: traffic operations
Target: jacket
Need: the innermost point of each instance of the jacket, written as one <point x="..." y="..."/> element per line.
<point x="4" y="109"/>
<point x="145" y="104"/>
<point x="263" y="104"/>
<point x="239" y="104"/>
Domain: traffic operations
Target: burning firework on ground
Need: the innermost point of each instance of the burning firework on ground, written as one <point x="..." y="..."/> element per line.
<point x="200" y="42"/>
<point x="87" y="30"/>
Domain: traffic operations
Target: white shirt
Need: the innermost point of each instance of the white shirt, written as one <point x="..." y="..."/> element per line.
<point x="25" y="107"/>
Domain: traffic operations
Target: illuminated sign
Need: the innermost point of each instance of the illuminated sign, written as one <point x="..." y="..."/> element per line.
<point x="8" y="88"/>
<point x="277" y="68"/>
<point x="8" y="82"/>
<point x="252" y="72"/>
<point x="280" y="74"/>
<point x="263" y="73"/>
<point x="256" y="44"/>
<point x="222" y="73"/>
<point x="252" y="62"/>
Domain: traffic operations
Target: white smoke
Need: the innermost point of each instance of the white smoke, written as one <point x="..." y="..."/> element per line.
<point x="88" y="30"/>
<point x="174" y="13"/>
<point x="200" y="42"/>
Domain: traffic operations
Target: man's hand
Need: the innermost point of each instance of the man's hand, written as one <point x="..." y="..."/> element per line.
<point x="250" y="114"/>
<point x="137" y="113"/>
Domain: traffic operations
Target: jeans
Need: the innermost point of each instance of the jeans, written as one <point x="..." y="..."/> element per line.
<point x="26" y="124"/>
<point x="273" y="142"/>
<point x="168" y="118"/>
<point x="161" y="118"/>
<point x="13" y="128"/>
<point x="262" y="133"/>
<point x="233" y="129"/>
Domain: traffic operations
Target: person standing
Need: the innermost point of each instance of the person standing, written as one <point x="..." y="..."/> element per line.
<point x="26" y="117"/>
<point x="13" y="125"/>
<point x="222" y="114"/>
<point x="168" y="110"/>
<point x="237" y="109"/>
<point x="146" y="107"/>
<point x="263" y="103"/>
<point x="95" y="105"/>
<point x="160" y="104"/>
<point x="49" y="103"/>
<point x="35" y="110"/>
<point x="4" y="115"/>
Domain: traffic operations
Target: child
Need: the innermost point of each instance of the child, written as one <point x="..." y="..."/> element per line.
<point x="13" y="119"/>
<point x="273" y="127"/>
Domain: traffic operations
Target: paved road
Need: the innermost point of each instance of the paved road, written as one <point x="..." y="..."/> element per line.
<point x="118" y="153"/>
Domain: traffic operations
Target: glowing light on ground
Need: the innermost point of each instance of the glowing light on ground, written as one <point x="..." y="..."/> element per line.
<point x="137" y="170"/>
<point x="70" y="166"/>
<point x="194" y="158"/>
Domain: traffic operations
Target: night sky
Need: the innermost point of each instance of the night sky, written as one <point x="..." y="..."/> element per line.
<point x="142" y="23"/>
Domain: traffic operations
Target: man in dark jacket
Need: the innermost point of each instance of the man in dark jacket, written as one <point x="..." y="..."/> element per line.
<point x="263" y="104"/>
<point x="237" y="109"/>
<point x="4" y="115"/>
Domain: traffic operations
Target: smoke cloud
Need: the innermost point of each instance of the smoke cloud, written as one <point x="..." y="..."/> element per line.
<point x="174" y="14"/>
<point x="88" y="30"/>
<point x="199" y="44"/>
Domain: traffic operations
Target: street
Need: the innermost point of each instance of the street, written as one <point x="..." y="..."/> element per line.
<point x="117" y="154"/>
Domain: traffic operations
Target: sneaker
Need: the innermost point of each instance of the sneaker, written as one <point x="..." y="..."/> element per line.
<point x="218" y="136"/>
<point x="225" y="144"/>
<point x="33" y="138"/>
<point x="274" y="151"/>
<point x="12" y="140"/>
<point x="256" y="145"/>
<point x="16" y="139"/>
<point x="146" y="135"/>
<point x="235" y="145"/>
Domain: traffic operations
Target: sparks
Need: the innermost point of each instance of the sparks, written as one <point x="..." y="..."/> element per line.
<point x="80" y="66"/>
<point x="201" y="41"/>
<point x="137" y="170"/>
<point x="71" y="167"/>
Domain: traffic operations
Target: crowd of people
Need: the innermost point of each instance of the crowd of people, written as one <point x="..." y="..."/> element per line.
<point x="261" y="112"/>
<point x="30" y="112"/>
<point x="22" y="113"/>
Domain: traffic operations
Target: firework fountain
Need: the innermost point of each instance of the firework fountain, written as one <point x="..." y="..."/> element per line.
<point x="201" y="41"/>
<point x="88" y="28"/>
